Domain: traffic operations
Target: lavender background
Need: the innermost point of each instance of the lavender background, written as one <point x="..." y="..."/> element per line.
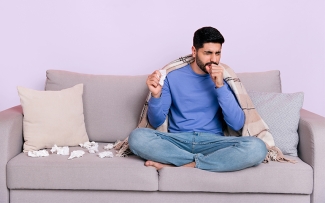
<point x="136" y="37"/>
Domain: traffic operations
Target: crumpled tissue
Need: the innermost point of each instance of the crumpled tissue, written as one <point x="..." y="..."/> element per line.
<point x="60" y="150"/>
<point x="39" y="153"/>
<point x="108" y="146"/>
<point x="162" y="77"/>
<point x="76" y="154"/>
<point x="105" y="154"/>
<point x="91" y="146"/>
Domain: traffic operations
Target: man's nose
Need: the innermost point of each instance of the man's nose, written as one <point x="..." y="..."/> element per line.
<point x="213" y="58"/>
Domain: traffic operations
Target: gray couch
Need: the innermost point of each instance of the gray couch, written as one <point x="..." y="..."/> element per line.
<point x="112" y="105"/>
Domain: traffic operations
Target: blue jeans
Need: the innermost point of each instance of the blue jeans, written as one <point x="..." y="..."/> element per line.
<point x="209" y="151"/>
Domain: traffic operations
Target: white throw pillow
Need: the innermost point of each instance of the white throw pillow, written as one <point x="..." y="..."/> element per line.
<point x="281" y="112"/>
<point x="52" y="117"/>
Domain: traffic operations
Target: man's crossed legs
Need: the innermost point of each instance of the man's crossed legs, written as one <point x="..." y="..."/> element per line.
<point x="205" y="151"/>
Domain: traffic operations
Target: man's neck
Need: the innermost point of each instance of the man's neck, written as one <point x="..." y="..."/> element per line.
<point x="196" y="68"/>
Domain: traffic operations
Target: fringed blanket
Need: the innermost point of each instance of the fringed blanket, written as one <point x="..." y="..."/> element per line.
<point x="254" y="124"/>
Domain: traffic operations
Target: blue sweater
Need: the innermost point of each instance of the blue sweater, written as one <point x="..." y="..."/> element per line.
<point x="193" y="104"/>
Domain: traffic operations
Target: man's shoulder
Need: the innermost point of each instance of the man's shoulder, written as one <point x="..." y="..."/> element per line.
<point x="179" y="71"/>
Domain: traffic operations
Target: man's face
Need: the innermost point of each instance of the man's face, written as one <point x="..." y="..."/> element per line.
<point x="209" y="54"/>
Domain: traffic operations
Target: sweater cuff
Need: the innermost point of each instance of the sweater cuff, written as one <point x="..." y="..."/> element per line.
<point x="155" y="101"/>
<point x="223" y="91"/>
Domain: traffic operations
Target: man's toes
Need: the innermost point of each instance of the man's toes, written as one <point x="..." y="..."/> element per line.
<point x="148" y="163"/>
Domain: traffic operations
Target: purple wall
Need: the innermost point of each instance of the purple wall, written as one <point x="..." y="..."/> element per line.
<point x="136" y="37"/>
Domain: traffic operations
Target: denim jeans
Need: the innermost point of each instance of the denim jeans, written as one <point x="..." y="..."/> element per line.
<point x="209" y="151"/>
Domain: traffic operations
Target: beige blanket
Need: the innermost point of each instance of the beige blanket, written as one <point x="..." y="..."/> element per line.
<point x="254" y="124"/>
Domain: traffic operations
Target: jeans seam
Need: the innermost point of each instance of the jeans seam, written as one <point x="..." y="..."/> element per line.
<point x="193" y="144"/>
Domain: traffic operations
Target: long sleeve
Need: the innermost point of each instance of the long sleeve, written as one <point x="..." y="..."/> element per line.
<point x="232" y="112"/>
<point x="158" y="107"/>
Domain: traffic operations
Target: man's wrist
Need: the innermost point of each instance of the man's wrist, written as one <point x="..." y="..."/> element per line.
<point x="219" y="85"/>
<point x="156" y="95"/>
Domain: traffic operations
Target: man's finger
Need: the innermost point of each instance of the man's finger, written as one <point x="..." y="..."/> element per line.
<point x="208" y="68"/>
<point x="154" y="82"/>
<point x="157" y="74"/>
<point x="154" y="78"/>
<point x="214" y="70"/>
<point x="216" y="67"/>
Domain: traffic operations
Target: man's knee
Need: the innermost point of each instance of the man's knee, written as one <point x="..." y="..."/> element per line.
<point x="258" y="150"/>
<point x="138" y="139"/>
<point x="134" y="137"/>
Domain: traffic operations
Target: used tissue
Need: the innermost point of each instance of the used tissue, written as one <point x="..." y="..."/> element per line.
<point x="108" y="146"/>
<point x="60" y="150"/>
<point x="76" y="154"/>
<point x="105" y="154"/>
<point x="91" y="146"/>
<point x="162" y="77"/>
<point x="39" y="153"/>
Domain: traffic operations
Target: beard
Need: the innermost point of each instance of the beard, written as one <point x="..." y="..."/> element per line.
<point x="201" y="65"/>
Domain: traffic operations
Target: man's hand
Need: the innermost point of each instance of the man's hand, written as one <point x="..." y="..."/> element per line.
<point x="153" y="84"/>
<point x="216" y="74"/>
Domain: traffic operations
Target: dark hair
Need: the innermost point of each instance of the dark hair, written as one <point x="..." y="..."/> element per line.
<point x="206" y="35"/>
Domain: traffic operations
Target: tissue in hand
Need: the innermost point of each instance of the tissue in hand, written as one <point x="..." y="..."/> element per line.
<point x="162" y="77"/>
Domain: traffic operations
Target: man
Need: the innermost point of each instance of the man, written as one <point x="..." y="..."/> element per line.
<point x="197" y="101"/>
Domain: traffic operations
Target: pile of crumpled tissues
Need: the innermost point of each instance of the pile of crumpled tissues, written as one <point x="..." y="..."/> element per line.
<point x="91" y="146"/>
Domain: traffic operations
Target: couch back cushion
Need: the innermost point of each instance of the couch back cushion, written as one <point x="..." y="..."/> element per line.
<point x="112" y="104"/>
<point x="268" y="81"/>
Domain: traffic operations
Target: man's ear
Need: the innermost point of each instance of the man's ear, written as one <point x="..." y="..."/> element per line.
<point x="193" y="52"/>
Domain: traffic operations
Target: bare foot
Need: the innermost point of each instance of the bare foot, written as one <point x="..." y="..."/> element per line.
<point x="157" y="165"/>
<point x="191" y="165"/>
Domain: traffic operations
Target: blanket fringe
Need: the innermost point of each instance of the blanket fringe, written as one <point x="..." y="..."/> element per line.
<point x="122" y="148"/>
<point x="275" y="154"/>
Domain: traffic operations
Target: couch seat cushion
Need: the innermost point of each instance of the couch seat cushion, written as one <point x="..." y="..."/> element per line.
<point x="86" y="173"/>
<point x="273" y="177"/>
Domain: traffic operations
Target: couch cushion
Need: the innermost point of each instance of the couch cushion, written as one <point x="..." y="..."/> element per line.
<point x="273" y="177"/>
<point x="52" y="117"/>
<point x="112" y="104"/>
<point x="86" y="173"/>
<point x="281" y="112"/>
<point x="268" y="81"/>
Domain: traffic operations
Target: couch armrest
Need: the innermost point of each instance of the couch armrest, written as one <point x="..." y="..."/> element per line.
<point x="11" y="136"/>
<point x="311" y="149"/>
